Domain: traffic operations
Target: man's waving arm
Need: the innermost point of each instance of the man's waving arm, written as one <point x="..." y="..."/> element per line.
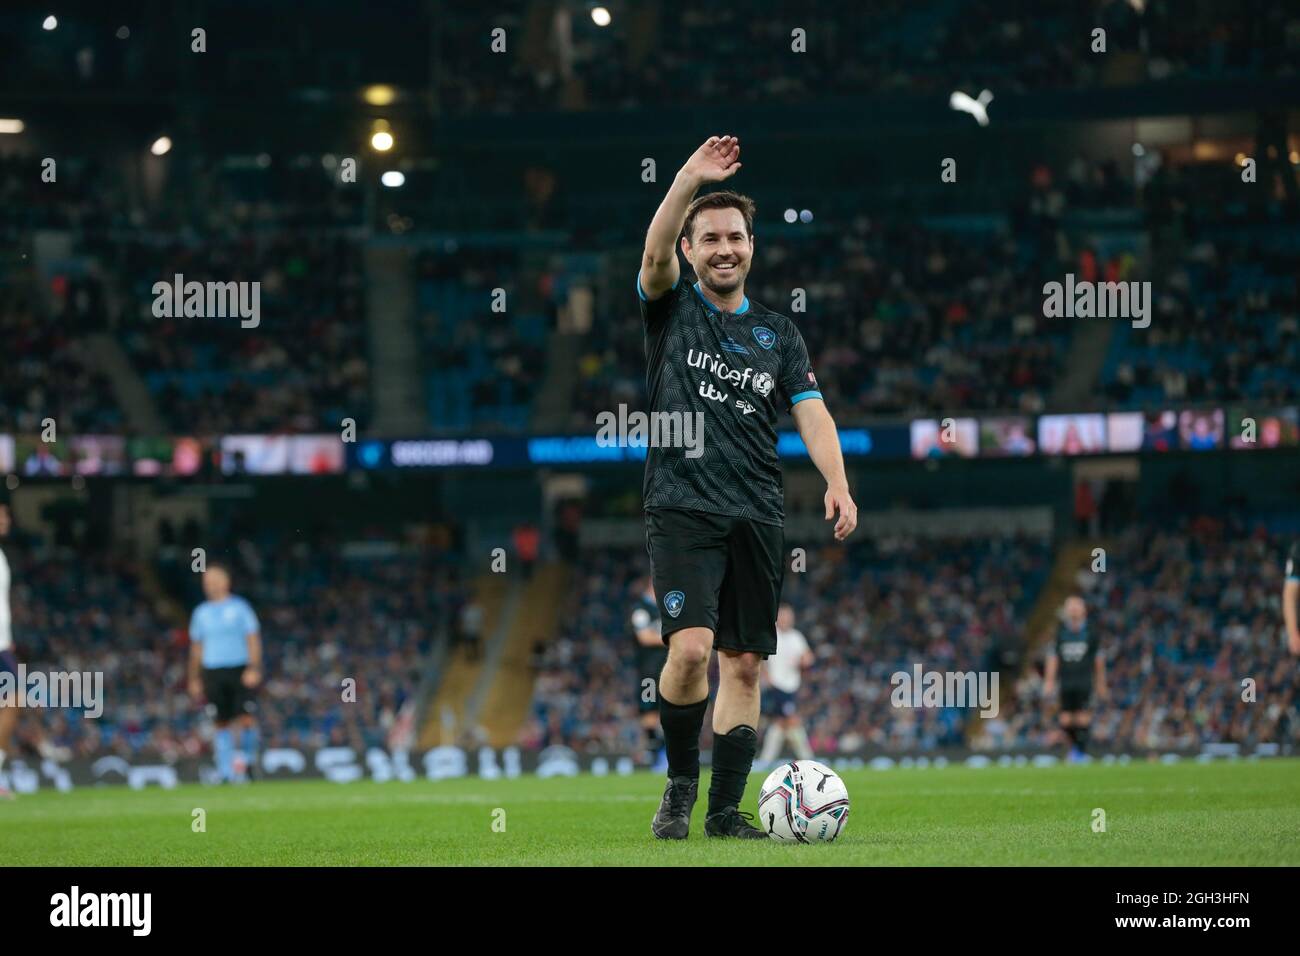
<point x="716" y="160"/>
<point x="817" y="429"/>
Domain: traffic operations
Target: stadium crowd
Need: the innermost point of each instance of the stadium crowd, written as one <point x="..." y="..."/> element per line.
<point x="216" y="376"/>
<point x="1184" y="615"/>
<point x="902" y="318"/>
<point x="906" y="314"/>
<point x="869" y="611"/>
<point x="677" y="58"/>
<point x="330" y="612"/>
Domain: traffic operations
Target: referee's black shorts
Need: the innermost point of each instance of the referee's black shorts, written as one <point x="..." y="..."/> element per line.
<point x="226" y="693"/>
<point x="718" y="572"/>
<point x="1075" y="699"/>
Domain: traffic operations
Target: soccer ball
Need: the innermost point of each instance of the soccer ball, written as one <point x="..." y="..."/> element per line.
<point x="803" y="802"/>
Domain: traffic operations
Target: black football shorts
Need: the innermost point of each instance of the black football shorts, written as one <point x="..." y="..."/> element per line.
<point x="1074" y="699"/>
<point x="226" y="693"/>
<point x="718" y="572"/>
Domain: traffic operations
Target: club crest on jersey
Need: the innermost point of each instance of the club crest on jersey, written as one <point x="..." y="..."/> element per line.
<point x="673" y="603"/>
<point x="764" y="337"/>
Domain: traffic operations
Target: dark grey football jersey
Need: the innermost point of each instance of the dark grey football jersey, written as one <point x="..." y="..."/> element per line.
<point x="1077" y="652"/>
<point x="738" y="370"/>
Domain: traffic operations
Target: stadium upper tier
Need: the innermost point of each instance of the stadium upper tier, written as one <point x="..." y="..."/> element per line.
<point x="650" y="54"/>
<point x="907" y="313"/>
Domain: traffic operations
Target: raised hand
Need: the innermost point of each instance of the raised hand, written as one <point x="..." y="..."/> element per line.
<point x="716" y="160"/>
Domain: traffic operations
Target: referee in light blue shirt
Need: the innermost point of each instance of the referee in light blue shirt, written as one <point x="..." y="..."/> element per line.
<point x="226" y="667"/>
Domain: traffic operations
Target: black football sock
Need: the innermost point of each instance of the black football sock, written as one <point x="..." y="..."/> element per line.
<point x="653" y="741"/>
<point x="1073" y="734"/>
<point x="682" y="724"/>
<point x="733" y="758"/>
<point x="1081" y="739"/>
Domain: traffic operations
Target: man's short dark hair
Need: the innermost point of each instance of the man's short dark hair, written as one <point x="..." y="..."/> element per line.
<point x="723" y="199"/>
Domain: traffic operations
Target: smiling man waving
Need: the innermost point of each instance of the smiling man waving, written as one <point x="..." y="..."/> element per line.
<point x="714" y="522"/>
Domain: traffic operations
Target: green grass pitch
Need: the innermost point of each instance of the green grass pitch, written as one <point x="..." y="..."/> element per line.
<point x="1239" y="813"/>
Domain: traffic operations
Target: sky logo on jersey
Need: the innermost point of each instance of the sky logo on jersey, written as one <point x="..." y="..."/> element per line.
<point x="764" y="337"/>
<point x="674" y="601"/>
<point x="731" y="345"/>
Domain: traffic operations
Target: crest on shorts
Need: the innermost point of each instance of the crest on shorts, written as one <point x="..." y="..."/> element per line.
<point x="673" y="602"/>
<point x="764" y="337"/>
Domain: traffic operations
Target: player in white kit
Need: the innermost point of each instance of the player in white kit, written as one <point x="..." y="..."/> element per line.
<point x="783" y="673"/>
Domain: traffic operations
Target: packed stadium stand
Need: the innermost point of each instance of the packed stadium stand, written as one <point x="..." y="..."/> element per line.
<point x="366" y="611"/>
<point x="1187" y="615"/>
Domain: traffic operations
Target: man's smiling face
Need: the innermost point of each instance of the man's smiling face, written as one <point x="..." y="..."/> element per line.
<point x="719" y="249"/>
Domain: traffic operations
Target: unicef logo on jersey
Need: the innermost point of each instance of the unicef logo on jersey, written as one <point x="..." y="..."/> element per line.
<point x="764" y="337"/>
<point x="763" y="383"/>
<point x="673" y="603"/>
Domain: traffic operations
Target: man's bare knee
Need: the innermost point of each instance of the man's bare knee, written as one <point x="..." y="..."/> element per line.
<point x="743" y="668"/>
<point x="689" y="648"/>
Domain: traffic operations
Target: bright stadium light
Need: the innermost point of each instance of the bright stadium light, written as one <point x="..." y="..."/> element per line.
<point x="12" y="126"/>
<point x="600" y="16"/>
<point x="381" y="136"/>
<point x="51" y="23"/>
<point x="393" y="178"/>
<point x="379" y="94"/>
<point x="790" y="215"/>
<point x="805" y="215"/>
<point x="161" y="146"/>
